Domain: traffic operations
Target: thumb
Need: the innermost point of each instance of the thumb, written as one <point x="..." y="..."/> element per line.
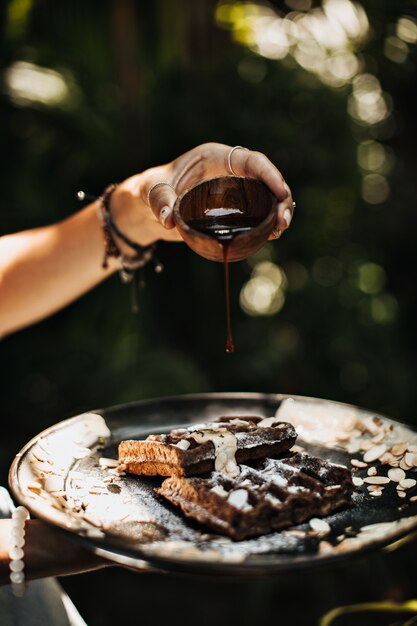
<point x="161" y="199"/>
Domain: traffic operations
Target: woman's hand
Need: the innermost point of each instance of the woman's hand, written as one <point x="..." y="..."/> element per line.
<point x="44" y="269"/>
<point x="135" y="195"/>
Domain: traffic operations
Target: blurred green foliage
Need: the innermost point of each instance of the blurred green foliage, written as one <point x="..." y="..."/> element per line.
<point x="141" y="82"/>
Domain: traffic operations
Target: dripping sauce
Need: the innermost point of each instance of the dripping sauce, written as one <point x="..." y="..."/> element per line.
<point x="224" y="224"/>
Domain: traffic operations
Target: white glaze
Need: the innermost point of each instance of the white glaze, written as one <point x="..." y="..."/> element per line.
<point x="225" y="446"/>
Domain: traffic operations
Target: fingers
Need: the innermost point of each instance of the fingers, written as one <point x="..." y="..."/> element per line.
<point x="285" y="211"/>
<point x="161" y="197"/>
<point x="212" y="160"/>
<point x="257" y="165"/>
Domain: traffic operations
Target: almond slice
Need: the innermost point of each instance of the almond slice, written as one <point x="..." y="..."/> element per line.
<point x="376" y="480"/>
<point x="409" y="458"/>
<point x="399" y="449"/>
<point x="408" y="483"/>
<point x="319" y="525"/>
<point x="358" y="463"/>
<point x="396" y="474"/>
<point x="374" y="453"/>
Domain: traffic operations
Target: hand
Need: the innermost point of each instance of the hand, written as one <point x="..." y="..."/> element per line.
<point x="32" y="288"/>
<point x="48" y="552"/>
<point x="204" y="161"/>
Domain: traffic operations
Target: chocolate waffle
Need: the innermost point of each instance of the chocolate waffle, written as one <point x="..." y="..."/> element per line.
<point x="270" y="495"/>
<point x="202" y="448"/>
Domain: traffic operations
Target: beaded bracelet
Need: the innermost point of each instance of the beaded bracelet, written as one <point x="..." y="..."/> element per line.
<point x="143" y="254"/>
<point x="16" y="553"/>
<point x="129" y="265"/>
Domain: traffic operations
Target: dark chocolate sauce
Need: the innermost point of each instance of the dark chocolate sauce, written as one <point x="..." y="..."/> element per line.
<point x="230" y="346"/>
<point x="224" y="224"/>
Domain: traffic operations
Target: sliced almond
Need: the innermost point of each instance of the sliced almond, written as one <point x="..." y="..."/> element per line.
<point x="372" y="471"/>
<point x="409" y="458"/>
<point x="379" y="438"/>
<point x="377" y="492"/>
<point x="413" y="499"/>
<point x="408" y="483"/>
<point x="399" y="448"/>
<point x="401" y="494"/>
<point x="387" y="458"/>
<point x="319" y="525"/>
<point x="376" y="480"/>
<point x="396" y="474"/>
<point x="357" y="481"/>
<point x="106" y="462"/>
<point x="296" y="533"/>
<point x="183" y="444"/>
<point x="404" y="465"/>
<point x="358" y="463"/>
<point x="374" y="453"/>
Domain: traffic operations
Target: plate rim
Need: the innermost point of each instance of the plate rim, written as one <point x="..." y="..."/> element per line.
<point x="152" y="562"/>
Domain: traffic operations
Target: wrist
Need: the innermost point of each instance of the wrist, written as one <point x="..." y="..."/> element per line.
<point x="132" y="216"/>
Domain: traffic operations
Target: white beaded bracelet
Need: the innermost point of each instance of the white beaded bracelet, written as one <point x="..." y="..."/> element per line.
<point x="16" y="553"/>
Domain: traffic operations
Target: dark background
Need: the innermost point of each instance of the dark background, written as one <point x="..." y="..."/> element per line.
<point x="135" y="84"/>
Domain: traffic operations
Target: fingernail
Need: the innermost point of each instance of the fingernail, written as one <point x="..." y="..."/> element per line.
<point x="165" y="211"/>
<point x="287" y="217"/>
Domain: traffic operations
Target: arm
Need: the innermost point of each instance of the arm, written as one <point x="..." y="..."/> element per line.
<point x="44" y="269"/>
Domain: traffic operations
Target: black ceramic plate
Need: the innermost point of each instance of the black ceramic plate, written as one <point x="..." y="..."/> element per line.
<point x="62" y="476"/>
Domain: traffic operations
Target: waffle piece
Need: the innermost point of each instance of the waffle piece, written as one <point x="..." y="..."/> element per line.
<point x="274" y="494"/>
<point x="202" y="448"/>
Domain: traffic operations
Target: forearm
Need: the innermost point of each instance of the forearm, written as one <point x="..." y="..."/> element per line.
<point x="42" y="270"/>
<point x="48" y="552"/>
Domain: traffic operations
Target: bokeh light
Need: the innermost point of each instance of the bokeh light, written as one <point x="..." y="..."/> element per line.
<point x="322" y="40"/>
<point x="407" y="29"/>
<point x="264" y="292"/>
<point x="27" y="83"/>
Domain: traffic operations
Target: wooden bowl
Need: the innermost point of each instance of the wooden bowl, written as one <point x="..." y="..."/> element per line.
<point x="249" y="214"/>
